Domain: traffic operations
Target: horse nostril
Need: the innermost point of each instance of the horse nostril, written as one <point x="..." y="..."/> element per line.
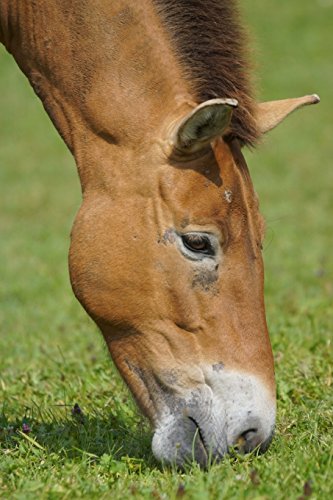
<point x="247" y="440"/>
<point x="249" y="434"/>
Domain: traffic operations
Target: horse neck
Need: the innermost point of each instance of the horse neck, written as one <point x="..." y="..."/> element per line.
<point x="104" y="71"/>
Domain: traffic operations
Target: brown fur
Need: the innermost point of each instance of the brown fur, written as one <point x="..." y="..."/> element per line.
<point x="210" y="43"/>
<point x="116" y="77"/>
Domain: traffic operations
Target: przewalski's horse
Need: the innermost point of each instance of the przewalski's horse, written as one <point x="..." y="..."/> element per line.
<point x="153" y="99"/>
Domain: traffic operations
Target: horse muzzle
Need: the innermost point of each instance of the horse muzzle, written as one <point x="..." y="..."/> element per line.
<point x="231" y="411"/>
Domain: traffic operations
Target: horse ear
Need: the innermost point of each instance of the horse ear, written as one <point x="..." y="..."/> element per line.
<point x="270" y="114"/>
<point x="207" y="121"/>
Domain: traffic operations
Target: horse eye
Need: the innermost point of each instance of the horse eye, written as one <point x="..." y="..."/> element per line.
<point x="198" y="243"/>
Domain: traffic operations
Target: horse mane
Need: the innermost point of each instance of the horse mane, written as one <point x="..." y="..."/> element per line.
<point x="210" y="43"/>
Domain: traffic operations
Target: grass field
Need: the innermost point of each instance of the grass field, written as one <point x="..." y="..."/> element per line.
<point x="52" y="356"/>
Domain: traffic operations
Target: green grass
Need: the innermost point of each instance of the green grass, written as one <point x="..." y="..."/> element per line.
<point x="52" y="356"/>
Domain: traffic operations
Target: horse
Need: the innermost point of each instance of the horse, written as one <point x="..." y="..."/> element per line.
<point x="154" y="100"/>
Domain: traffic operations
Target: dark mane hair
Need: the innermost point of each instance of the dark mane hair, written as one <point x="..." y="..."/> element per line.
<point x="210" y="43"/>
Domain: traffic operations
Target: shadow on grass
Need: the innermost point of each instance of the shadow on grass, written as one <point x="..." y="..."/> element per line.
<point x="78" y="435"/>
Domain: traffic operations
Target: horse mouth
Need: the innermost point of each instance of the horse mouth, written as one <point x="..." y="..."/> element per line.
<point x="200" y="440"/>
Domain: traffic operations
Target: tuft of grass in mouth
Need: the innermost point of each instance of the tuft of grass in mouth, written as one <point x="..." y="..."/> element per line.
<point x="52" y="358"/>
